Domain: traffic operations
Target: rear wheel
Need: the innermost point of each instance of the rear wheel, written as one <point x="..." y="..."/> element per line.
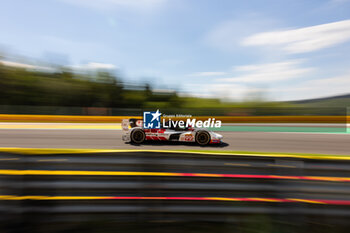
<point x="137" y="136"/>
<point x="202" y="138"/>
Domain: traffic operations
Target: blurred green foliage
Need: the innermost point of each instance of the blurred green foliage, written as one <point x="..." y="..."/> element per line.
<point x="61" y="87"/>
<point x="66" y="88"/>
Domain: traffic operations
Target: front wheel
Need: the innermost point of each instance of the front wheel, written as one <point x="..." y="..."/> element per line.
<point x="202" y="138"/>
<point x="137" y="136"/>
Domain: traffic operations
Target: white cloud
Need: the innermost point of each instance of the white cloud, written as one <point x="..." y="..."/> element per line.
<point x="94" y="66"/>
<point x="25" y="66"/>
<point x="227" y="35"/>
<point x="142" y="5"/>
<point x="233" y="91"/>
<point x="88" y="66"/>
<point x="301" y="89"/>
<point x="249" y="81"/>
<point x="269" y="72"/>
<point x="305" y="39"/>
<point x="17" y="65"/>
<point x="315" y="88"/>
<point x="225" y="91"/>
<point x="206" y="74"/>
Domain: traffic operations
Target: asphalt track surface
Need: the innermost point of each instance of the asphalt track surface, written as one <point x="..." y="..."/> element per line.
<point x="321" y="143"/>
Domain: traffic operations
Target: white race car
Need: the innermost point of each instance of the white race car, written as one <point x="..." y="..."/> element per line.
<point x="135" y="133"/>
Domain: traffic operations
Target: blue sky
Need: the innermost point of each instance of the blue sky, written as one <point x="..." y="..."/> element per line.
<point x="228" y="49"/>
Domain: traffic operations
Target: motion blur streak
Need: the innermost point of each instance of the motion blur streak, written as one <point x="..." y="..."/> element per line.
<point x="69" y="186"/>
<point x="53" y="151"/>
<point x="242" y="199"/>
<point x="129" y="173"/>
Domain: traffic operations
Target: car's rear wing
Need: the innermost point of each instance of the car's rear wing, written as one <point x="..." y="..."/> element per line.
<point x="131" y="123"/>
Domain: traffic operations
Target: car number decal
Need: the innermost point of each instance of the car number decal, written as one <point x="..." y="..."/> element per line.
<point x="189" y="137"/>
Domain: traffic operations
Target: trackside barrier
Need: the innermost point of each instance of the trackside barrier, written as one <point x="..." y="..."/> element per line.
<point x="73" y="188"/>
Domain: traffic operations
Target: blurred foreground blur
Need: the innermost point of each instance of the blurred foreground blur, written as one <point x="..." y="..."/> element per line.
<point x="106" y="191"/>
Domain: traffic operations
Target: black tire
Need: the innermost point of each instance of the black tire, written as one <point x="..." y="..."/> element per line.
<point x="137" y="136"/>
<point x="203" y="138"/>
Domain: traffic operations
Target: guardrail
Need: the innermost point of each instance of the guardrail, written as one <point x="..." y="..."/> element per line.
<point x="44" y="189"/>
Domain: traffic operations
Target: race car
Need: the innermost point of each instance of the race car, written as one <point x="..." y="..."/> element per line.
<point x="135" y="133"/>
